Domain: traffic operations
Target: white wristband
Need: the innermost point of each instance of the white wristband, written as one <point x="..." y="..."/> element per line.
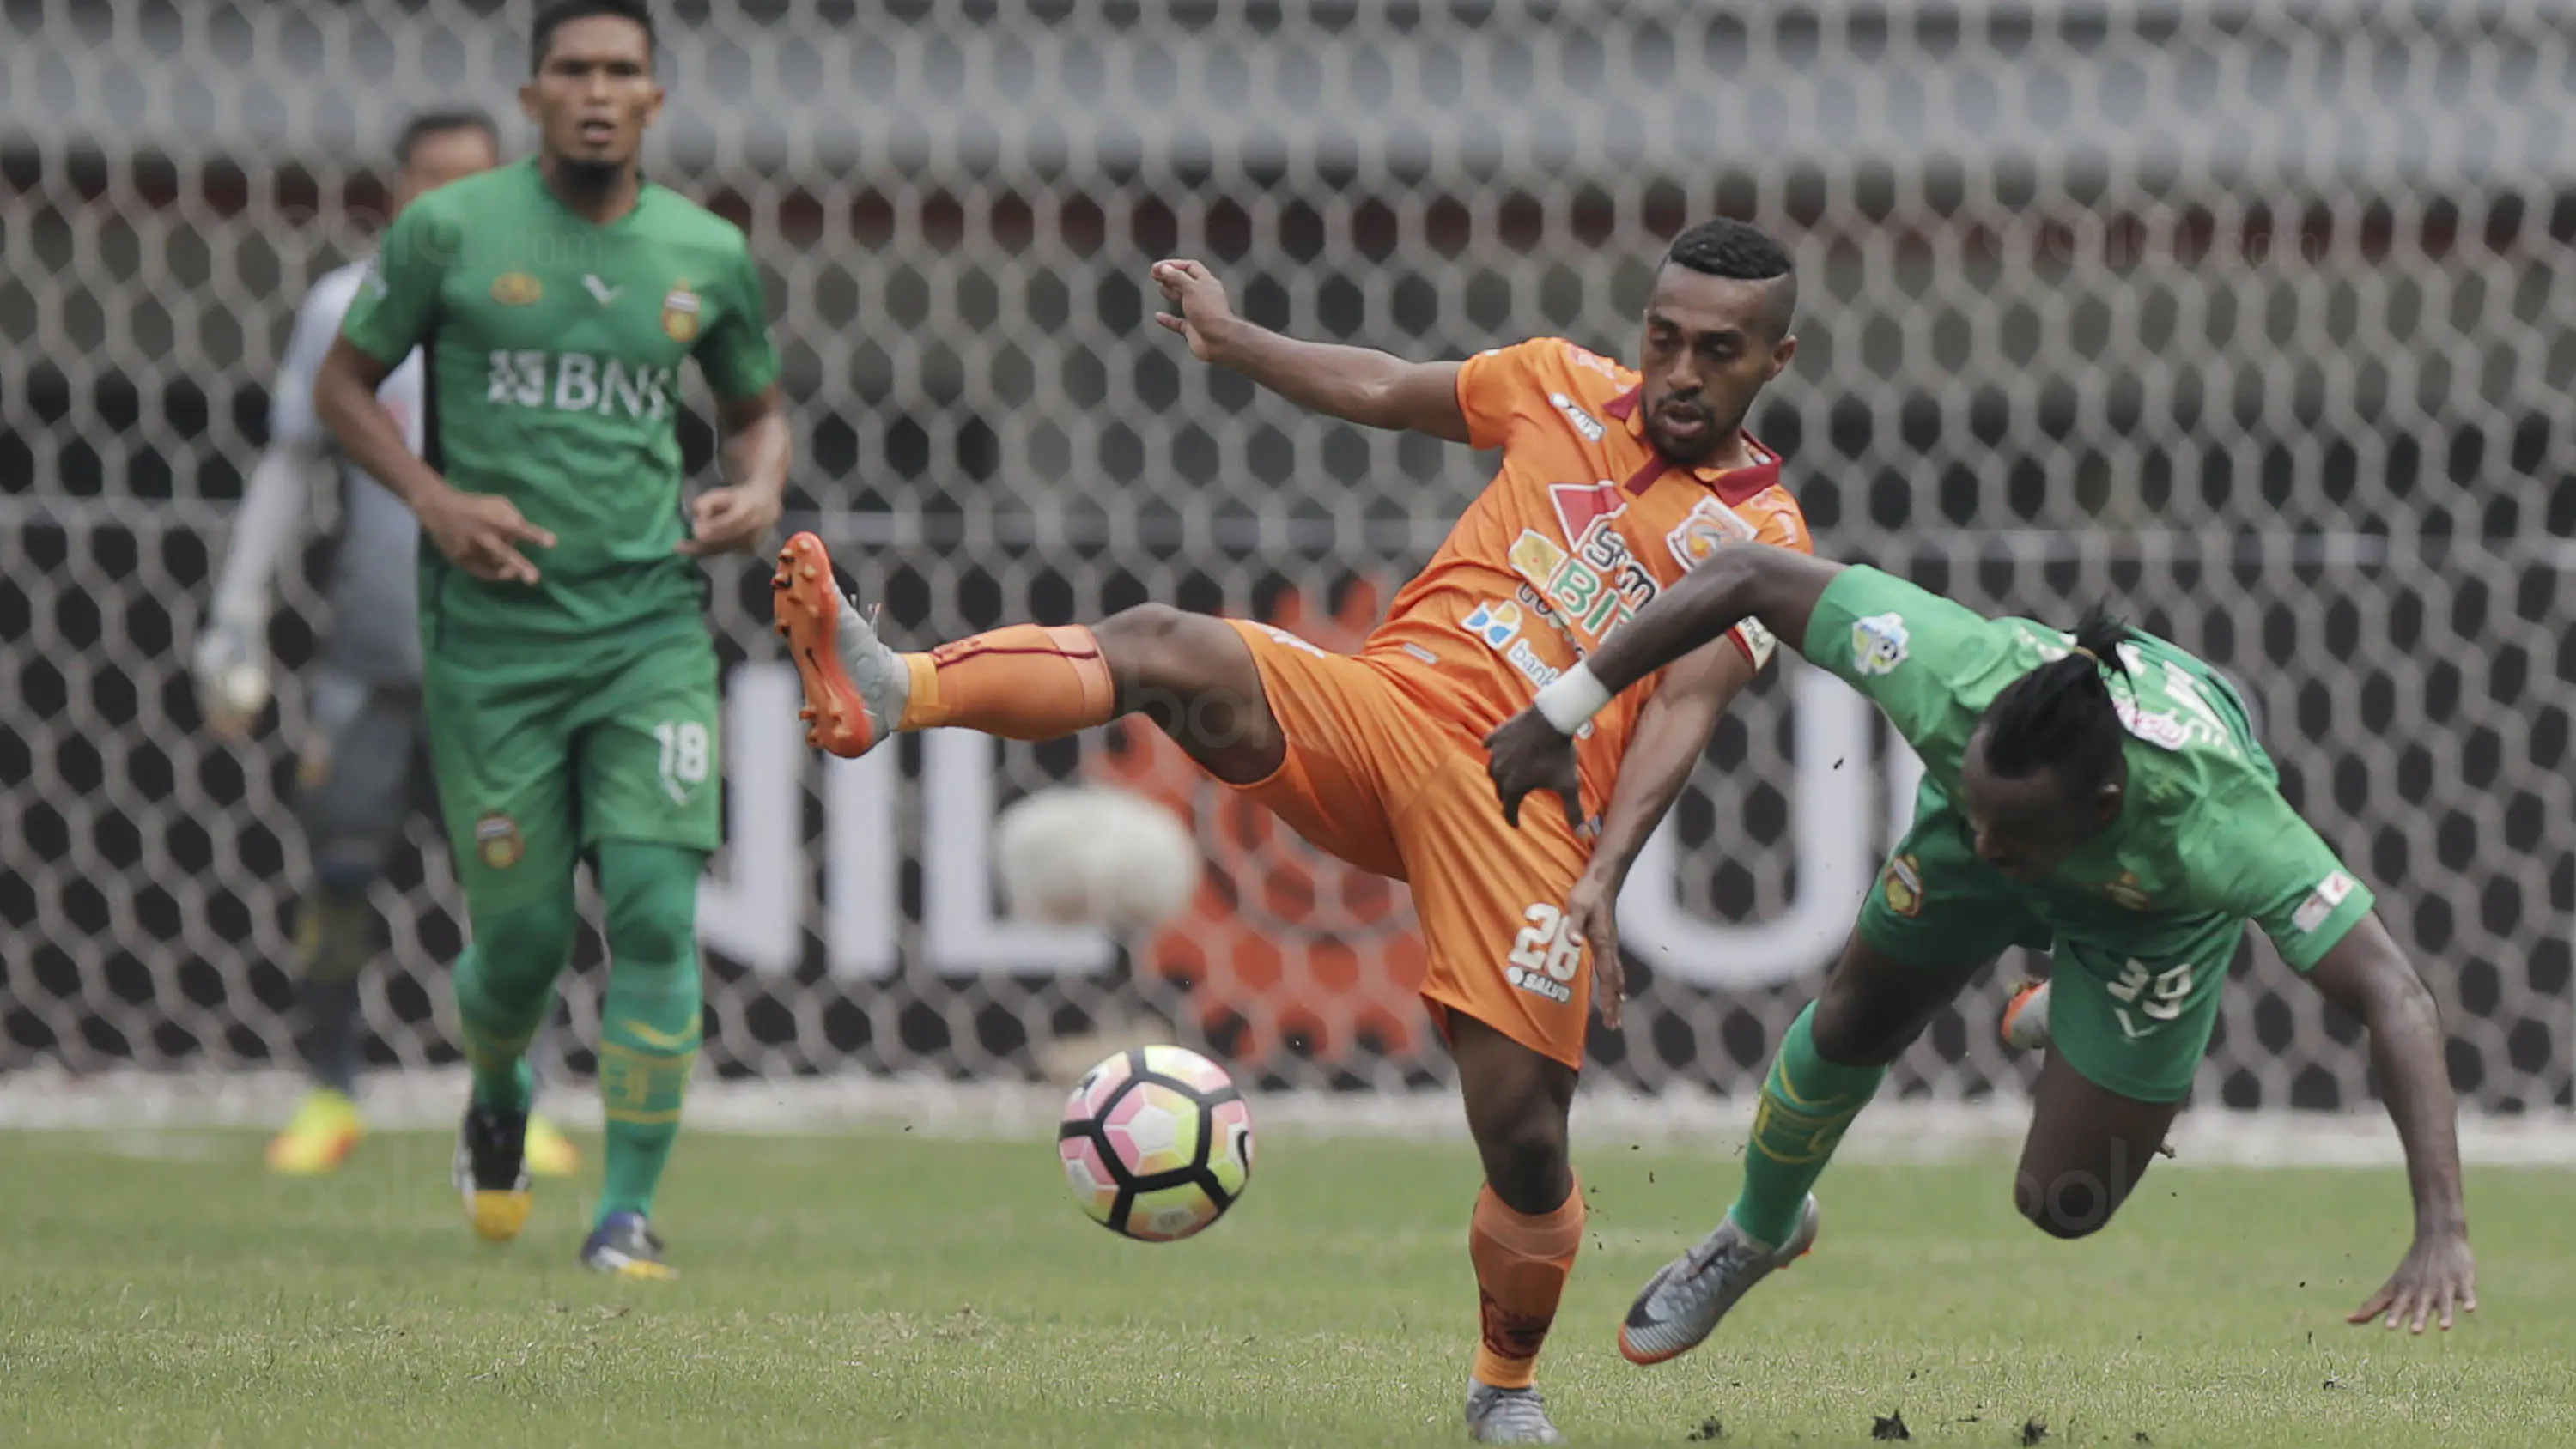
<point x="1574" y="698"/>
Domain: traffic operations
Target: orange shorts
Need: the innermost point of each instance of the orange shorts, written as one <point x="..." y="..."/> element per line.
<point x="1376" y="778"/>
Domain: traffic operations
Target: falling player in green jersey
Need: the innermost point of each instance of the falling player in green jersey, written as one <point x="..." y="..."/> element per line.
<point x="2101" y="793"/>
<point x="569" y="686"/>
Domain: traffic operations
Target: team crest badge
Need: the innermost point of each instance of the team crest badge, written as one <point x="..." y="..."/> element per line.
<point x="680" y="308"/>
<point x="1708" y="525"/>
<point x="2124" y="892"/>
<point x="516" y="289"/>
<point x="498" y="841"/>
<point x="1903" y="887"/>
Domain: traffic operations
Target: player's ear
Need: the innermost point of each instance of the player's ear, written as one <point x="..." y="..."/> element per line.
<point x="1781" y="352"/>
<point x="2107" y="801"/>
<point x="528" y="105"/>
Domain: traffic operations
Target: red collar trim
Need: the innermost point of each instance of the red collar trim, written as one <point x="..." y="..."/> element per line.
<point x="1732" y="485"/>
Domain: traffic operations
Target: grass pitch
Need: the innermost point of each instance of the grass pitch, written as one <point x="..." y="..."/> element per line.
<point x="162" y="1290"/>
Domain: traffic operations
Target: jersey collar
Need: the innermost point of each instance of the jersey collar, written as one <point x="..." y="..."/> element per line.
<point x="1732" y="485"/>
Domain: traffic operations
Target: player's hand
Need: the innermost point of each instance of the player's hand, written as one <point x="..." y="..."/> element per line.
<point x="2438" y="1275"/>
<point x="1204" y="312"/>
<point x="731" y="519"/>
<point x="1590" y="912"/>
<point x="1526" y="753"/>
<point x="481" y="533"/>
<point x="231" y="679"/>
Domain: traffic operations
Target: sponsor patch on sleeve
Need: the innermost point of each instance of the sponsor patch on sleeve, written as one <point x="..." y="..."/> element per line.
<point x="2331" y="892"/>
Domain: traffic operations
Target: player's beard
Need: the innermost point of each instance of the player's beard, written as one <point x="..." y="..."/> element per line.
<point x="584" y="177"/>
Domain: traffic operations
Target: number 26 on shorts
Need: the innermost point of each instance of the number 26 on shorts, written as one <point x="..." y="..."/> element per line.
<point x="1546" y="955"/>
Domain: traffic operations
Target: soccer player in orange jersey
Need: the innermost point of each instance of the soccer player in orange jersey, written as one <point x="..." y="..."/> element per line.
<point x="1614" y="483"/>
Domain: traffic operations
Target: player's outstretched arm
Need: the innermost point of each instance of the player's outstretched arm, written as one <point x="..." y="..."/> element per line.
<point x="2367" y="975"/>
<point x="1534" y="750"/>
<point x="1672" y="734"/>
<point x="1356" y="384"/>
<point x="479" y="532"/>
<point x="230" y="664"/>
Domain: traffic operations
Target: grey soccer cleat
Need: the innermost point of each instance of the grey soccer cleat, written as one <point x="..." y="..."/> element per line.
<point x="1682" y="1303"/>
<point x="625" y="1246"/>
<point x="1508" y="1416"/>
<point x="2025" y="1025"/>
<point x="855" y="685"/>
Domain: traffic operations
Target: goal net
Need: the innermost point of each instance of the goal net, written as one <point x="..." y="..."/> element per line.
<point x="2255" y="321"/>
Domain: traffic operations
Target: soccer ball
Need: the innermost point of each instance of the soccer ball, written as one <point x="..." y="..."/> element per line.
<point x="1091" y="855"/>
<point x="1156" y="1143"/>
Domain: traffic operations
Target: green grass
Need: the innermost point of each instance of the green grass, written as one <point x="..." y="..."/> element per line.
<point x="887" y="1289"/>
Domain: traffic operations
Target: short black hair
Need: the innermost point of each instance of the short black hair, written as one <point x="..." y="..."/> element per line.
<point x="2061" y="716"/>
<point x="562" y="12"/>
<point x="1724" y="247"/>
<point x="438" y="122"/>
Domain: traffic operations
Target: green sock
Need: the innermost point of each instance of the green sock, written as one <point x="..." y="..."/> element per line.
<point x="505" y="983"/>
<point x="1807" y="1101"/>
<point x="648" y="1025"/>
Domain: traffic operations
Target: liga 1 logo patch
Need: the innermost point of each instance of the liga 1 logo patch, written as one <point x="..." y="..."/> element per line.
<point x="497" y="841"/>
<point x="1878" y="643"/>
<point x="2331" y="892"/>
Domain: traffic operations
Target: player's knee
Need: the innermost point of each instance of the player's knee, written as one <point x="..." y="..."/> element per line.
<point x="1191" y="677"/>
<point x="347" y="870"/>
<point x="523" y="948"/>
<point x="1148" y="646"/>
<point x="1850" y="1029"/>
<point x="651" y="897"/>
<point x="338" y="931"/>
<point x="1526" y="1163"/>
<point x="2069" y="1204"/>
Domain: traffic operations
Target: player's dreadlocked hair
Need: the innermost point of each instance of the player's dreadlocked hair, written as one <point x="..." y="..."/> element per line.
<point x="1728" y="248"/>
<point x="2060" y="716"/>
<point x="562" y="12"/>
<point x="438" y="123"/>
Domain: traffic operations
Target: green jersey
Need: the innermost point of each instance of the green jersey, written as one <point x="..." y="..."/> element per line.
<point x="2204" y="843"/>
<point x="554" y="346"/>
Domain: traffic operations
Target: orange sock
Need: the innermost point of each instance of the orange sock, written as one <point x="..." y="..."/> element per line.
<point x="1521" y="1267"/>
<point x="1026" y="682"/>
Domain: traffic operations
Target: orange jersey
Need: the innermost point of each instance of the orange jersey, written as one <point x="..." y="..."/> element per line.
<point x="1583" y="526"/>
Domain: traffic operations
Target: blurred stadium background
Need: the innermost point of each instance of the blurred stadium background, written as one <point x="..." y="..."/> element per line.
<point x="2258" y="320"/>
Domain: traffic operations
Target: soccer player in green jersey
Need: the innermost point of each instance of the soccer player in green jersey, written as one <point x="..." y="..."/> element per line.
<point x="569" y="684"/>
<point x="2101" y="793"/>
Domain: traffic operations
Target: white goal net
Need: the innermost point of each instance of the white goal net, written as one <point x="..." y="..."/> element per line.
<point x="2256" y="321"/>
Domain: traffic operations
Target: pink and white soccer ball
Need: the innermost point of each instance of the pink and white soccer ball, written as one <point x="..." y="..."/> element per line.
<point x="1156" y="1143"/>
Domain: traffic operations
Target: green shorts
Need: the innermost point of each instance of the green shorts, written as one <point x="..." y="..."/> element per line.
<point x="2136" y="1027"/>
<point x="535" y="769"/>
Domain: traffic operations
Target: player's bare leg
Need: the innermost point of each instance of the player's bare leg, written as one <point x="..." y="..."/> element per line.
<point x="2086" y="1150"/>
<point x="1189" y="673"/>
<point x="1528" y="1223"/>
<point x="1828" y="1066"/>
